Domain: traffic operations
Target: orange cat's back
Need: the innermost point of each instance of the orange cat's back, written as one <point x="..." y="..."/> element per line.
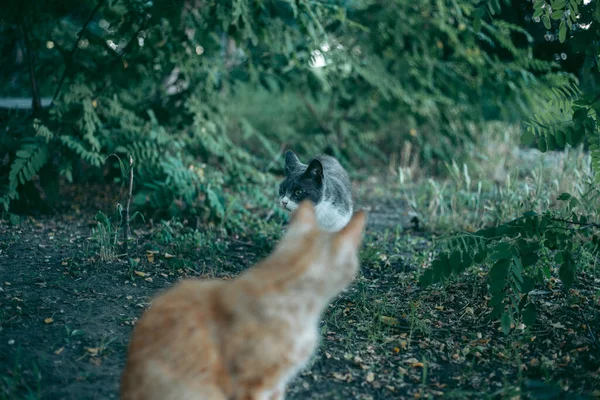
<point x="172" y="354"/>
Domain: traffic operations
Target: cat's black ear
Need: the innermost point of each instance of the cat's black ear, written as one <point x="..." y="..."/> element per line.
<point x="291" y="162"/>
<point x="315" y="170"/>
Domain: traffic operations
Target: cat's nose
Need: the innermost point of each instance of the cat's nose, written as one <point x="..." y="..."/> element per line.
<point x="284" y="203"/>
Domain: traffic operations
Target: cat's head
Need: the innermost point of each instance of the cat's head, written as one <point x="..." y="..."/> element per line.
<point x="328" y="259"/>
<point x="301" y="182"/>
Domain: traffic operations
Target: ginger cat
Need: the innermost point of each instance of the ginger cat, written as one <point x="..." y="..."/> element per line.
<point x="243" y="339"/>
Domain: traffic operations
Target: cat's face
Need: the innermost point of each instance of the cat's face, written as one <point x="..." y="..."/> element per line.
<point x="330" y="260"/>
<point x="300" y="183"/>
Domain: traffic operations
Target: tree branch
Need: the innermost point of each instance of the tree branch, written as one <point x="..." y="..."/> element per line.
<point x="36" y="102"/>
<point x="71" y="54"/>
<point x="122" y="54"/>
<point x="582" y="224"/>
<point x="313" y="111"/>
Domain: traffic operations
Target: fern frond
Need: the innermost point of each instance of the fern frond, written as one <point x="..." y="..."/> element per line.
<point x="30" y="159"/>
<point x="92" y="157"/>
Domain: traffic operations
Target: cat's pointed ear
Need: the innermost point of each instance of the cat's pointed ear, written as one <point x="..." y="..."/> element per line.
<point x="352" y="234"/>
<point x="315" y="170"/>
<point x="303" y="218"/>
<point x="291" y="162"/>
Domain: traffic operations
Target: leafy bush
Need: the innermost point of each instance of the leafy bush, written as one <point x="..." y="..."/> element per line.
<point x="513" y="250"/>
<point x="179" y="85"/>
<point x="567" y="238"/>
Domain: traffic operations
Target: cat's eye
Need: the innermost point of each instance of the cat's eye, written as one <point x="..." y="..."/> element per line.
<point x="298" y="192"/>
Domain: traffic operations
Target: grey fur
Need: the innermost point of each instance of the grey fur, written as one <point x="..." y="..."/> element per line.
<point x="325" y="181"/>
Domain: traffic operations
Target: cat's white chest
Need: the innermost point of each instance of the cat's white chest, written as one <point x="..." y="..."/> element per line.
<point x="330" y="218"/>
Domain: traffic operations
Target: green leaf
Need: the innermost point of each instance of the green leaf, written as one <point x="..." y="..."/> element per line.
<point x="528" y="284"/>
<point x="501" y="251"/>
<point x="426" y="278"/>
<point x="542" y="145"/>
<point x="497" y="298"/>
<point x="574" y="136"/>
<point x="574" y="7"/>
<point x="529" y="259"/>
<point x="140" y="199"/>
<point x="529" y="314"/>
<point x="566" y="273"/>
<point x="564" y="196"/>
<point x="497" y="275"/>
<point x="496" y="311"/>
<point x="14" y="219"/>
<point x="560" y="139"/>
<point x="551" y="142"/>
<point x="538" y="13"/>
<point x="562" y="32"/>
<point x="527" y="138"/>
<point x="557" y="14"/>
<point x="546" y="22"/>
<point x="558" y="4"/>
<point x="456" y="262"/>
<point x="477" y="23"/>
<point x="23" y="154"/>
<point x="505" y="322"/>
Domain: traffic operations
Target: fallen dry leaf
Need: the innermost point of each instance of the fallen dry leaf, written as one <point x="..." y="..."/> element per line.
<point x="49" y="320"/>
<point x="390" y="320"/>
<point x="167" y="255"/>
<point x="417" y="365"/>
<point x="340" y="376"/>
<point x="57" y="352"/>
<point x="370" y="376"/>
<point x="148" y="279"/>
<point x="139" y="273"/>
<point x="150" y="257"/>
<point x="92" y="350"/>
<point x="96" y="361"/>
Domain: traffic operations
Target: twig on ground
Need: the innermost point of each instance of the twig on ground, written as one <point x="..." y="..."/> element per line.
<point x="589" y="329"/>
<point x="129" y="195"/>
<point x="70" y="55"/>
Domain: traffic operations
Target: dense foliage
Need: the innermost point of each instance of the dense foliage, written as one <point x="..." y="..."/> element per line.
<point x="565" y="238"/>
<point x="205" y="95"/>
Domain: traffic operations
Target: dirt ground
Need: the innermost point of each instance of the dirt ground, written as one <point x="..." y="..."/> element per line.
<point x="66" y="316"/>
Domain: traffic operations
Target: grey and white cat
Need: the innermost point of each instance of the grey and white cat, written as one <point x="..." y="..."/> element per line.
<point x="323" y="181"/>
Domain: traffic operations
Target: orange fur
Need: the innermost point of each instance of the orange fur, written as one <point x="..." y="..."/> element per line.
<point x="243" y="339"/>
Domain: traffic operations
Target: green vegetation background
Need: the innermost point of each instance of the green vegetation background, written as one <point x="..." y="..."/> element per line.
<point x="204" y="97"/>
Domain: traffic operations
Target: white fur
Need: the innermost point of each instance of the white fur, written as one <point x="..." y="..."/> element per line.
<point x="328" y="217"/>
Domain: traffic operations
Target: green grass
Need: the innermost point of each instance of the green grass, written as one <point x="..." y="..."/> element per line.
<point x="497" y="184"/>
